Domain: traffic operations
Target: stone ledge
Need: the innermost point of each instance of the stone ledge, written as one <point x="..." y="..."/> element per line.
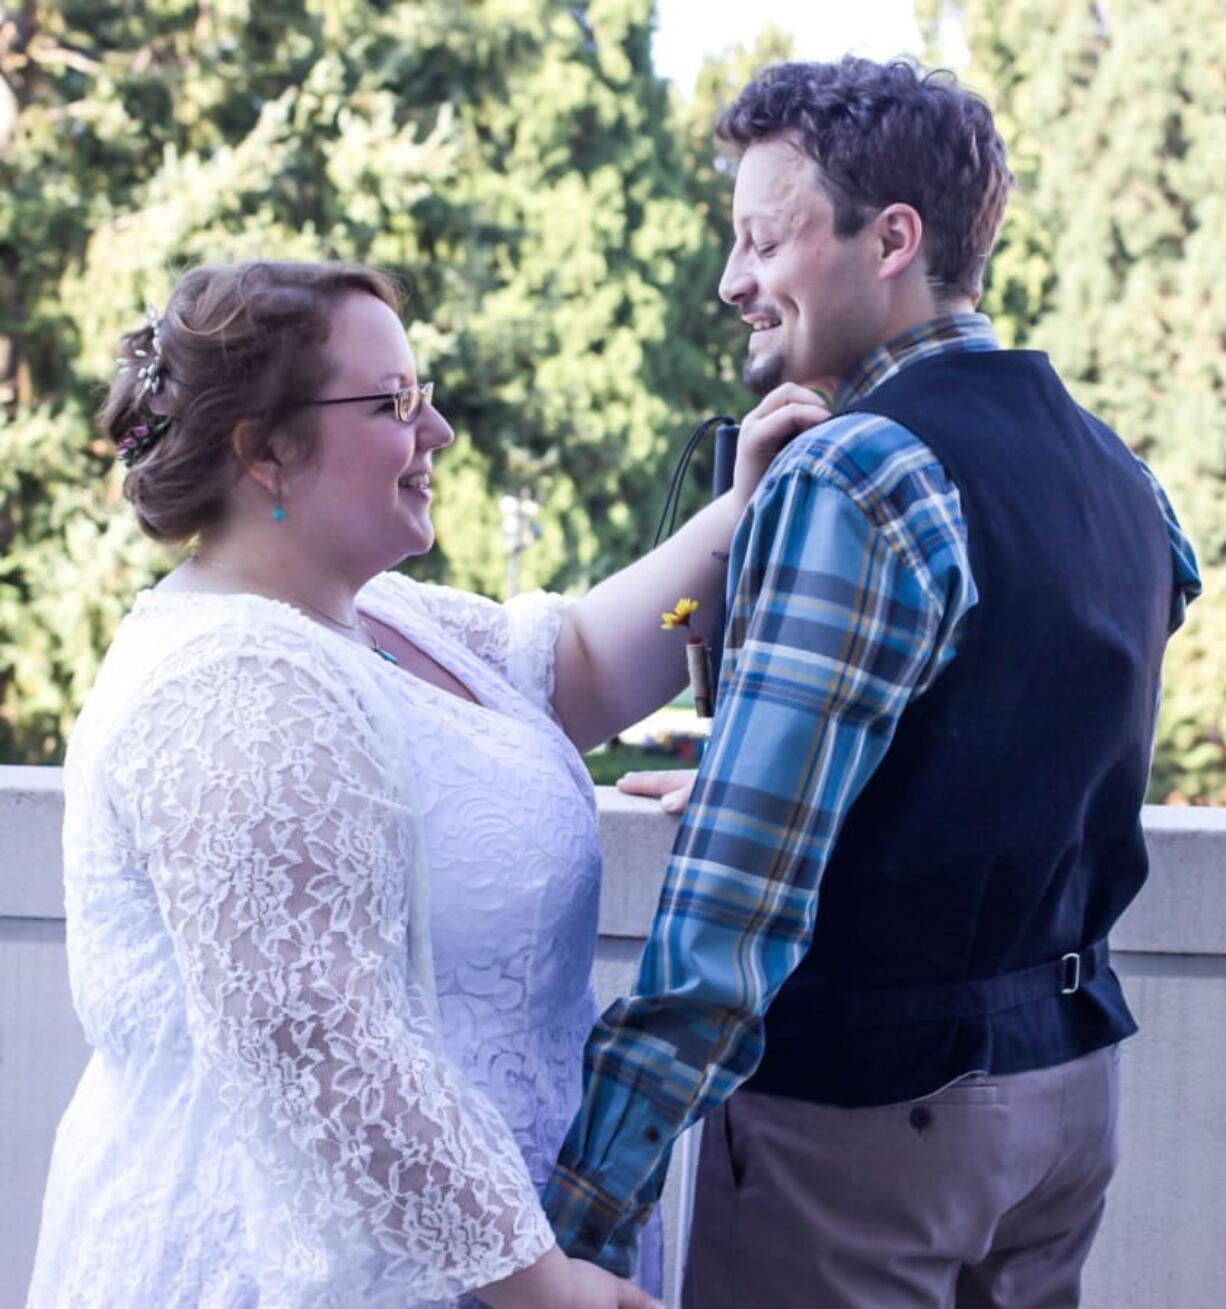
<point x="31" y="812"/>
<point x="1181" y="911"/>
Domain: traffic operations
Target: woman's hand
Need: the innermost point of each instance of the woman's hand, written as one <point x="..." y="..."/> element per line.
<point x="557" y="1282"/>
<point x="593" y="1288"/>
<point x="786" y="412"/>
<point x="673" y="786"/>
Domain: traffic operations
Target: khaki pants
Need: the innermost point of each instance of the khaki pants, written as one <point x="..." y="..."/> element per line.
<point x="986" y="1195"/>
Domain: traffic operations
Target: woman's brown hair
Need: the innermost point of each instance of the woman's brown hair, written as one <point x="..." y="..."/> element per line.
<point x="245" y="341"/>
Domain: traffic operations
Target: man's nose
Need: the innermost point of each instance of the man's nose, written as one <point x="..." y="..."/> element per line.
<point x="735" y="286"/>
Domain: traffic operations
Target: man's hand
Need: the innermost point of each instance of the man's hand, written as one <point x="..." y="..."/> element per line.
<point x="786" y="412"/>
<point x="673" y="786"/>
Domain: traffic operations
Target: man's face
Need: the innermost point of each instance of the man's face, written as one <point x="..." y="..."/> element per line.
<point x="812" y="299"/>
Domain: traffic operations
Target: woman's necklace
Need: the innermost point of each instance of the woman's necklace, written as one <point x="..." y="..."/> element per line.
<point x="361" y="626"/>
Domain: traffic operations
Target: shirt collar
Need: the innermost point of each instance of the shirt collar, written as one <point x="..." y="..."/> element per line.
<point x="948" y="333"/>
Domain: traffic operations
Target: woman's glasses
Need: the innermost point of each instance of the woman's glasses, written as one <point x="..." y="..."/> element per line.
<point x="406" y="400"/>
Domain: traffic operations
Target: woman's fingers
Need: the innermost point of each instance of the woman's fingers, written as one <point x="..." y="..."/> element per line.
<point x="792" y="416"/>
<point x="786" y="412"/>
<point x="786" y="393"/>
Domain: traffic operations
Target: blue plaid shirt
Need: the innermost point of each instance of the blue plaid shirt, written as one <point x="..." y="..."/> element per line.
<point x="848" y="577"/>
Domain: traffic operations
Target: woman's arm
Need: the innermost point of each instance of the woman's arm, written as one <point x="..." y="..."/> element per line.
<point x="613" y="662"/>
<point x="289" y="870"/>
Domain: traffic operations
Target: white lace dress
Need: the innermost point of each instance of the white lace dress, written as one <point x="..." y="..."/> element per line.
<point x="285" y="862"/>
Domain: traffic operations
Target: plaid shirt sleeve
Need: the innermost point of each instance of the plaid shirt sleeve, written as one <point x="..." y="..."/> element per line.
<point x="848" y="576"/>
<point x="1185" y="573"/>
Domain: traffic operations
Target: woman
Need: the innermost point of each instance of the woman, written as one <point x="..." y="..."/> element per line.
<point x="288" y="753"/>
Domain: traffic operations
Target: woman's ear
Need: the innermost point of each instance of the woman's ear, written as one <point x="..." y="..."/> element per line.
<point x="257" y="455"/>
<point x="900" y="236"/>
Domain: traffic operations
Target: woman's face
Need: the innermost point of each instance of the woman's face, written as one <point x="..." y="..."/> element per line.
<point x="364" y="500"/>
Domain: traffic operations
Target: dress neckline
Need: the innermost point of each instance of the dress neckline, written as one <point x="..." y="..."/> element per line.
<point x="152" y="597"/>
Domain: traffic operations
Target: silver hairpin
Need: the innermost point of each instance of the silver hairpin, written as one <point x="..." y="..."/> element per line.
<point x="150" y="373"/>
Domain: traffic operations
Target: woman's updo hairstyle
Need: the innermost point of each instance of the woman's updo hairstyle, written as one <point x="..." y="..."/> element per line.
<point x="236" y="341"/>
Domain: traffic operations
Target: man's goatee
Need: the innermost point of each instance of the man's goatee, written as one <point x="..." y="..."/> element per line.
<point x="761" y="376"/>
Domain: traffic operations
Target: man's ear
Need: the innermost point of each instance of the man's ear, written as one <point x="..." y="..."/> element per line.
<point x="256" y="455"/>
<point x="900" y="237"/>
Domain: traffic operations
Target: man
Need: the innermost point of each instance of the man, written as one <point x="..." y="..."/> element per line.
<point x="917" y="819"/>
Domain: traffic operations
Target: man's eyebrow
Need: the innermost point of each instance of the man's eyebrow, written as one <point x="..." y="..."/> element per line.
<point x="392" y="380"/>
<point x="757" y="216"/>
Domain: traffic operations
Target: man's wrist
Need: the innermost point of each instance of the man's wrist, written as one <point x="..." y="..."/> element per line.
<point x="583" y="1215"/>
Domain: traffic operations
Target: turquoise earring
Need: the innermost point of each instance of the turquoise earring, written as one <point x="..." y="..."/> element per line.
<point x="278" y="515"/>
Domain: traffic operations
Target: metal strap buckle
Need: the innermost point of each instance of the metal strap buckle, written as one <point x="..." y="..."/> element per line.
<point x="1071" y="966"/>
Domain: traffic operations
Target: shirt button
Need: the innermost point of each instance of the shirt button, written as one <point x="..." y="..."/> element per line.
<point x="921" y="1117"/>
<point x="652" y="1136"/>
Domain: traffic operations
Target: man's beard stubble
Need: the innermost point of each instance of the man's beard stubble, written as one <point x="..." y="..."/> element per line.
<point x="761" y="376"/>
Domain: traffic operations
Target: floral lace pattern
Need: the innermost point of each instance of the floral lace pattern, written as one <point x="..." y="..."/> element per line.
<point x="255" y="809"/>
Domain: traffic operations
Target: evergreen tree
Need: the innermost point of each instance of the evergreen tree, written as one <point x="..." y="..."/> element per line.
<point x="513" y="160"/>
<point x="1115" y="117"/>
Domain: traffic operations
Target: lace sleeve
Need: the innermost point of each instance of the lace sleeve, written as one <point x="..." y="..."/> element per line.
<point x="283" y="863"/>
<point x="517" y="639"/>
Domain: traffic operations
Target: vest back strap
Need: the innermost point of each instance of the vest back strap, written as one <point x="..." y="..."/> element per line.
<point x="974" y="999"/>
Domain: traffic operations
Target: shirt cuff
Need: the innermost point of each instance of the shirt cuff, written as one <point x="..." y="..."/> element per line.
<point x="584" y="1217"/>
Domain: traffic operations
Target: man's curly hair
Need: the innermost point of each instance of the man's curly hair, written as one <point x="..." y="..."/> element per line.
<point x="883" y="134"/>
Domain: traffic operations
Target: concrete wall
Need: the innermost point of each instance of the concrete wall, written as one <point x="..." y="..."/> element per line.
<point x="1163" y="1243"/>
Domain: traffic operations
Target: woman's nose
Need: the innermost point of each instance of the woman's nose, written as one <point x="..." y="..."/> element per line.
<point x="433" y="430"/>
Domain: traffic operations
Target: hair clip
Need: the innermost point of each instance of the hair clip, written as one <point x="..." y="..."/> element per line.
<point x="140" y="439"/>
<point x="151" y="374"/>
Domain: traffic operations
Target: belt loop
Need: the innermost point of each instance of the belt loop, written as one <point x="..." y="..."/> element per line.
<point x="1071" y="967"/>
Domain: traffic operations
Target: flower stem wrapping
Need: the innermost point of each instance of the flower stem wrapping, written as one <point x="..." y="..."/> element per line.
<point x="698" y="659"/>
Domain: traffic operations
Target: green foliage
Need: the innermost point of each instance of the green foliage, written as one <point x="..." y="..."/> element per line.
<point x="516" y="162"/>
<point x="608" y="765"/>
<point x="1115" y="117"/>
<point x="561" y="224"/>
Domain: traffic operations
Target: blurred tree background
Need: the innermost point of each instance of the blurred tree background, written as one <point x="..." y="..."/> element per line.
<point x="559" y="219"/>
<point x="1115" y="117"/>
<point x="516" y="162"/>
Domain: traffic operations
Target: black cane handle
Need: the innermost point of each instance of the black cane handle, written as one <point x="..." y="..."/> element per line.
<point x="725" y="462"/>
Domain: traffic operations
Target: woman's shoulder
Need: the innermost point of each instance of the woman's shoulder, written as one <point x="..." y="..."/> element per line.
<point x="185" y="649"/>
<point x="446" y="605"/>
<point x="177" y="630"/>
<point x="515" y="638"/>
<point x="478" y="623"/>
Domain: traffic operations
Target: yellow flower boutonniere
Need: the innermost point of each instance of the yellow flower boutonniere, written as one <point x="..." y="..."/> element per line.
<point x="697" y="655"/>
<point x="679" y="615"/>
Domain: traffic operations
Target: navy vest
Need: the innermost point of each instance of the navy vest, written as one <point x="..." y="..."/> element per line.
<point x="963" y="915"/>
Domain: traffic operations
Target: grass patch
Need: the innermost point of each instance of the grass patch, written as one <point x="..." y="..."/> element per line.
<point x="607" y="765"/>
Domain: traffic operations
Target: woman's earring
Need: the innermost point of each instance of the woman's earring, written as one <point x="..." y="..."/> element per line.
<point x="278" y="514"/>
